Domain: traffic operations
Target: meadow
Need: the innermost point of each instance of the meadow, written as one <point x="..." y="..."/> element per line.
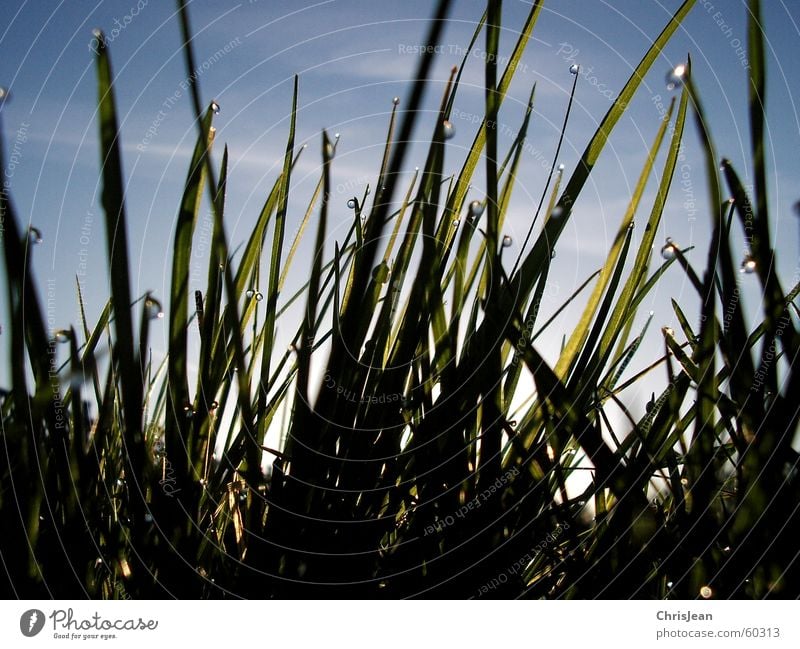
<point x="404" y="471"/>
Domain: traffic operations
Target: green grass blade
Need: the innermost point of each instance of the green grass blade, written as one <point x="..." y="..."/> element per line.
<point x="275" y="264"/>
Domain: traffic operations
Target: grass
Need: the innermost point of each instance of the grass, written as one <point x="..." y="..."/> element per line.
<point x="409" y="474"/>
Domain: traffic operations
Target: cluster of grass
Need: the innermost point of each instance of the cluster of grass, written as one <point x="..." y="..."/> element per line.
<point x="406" y="472"/>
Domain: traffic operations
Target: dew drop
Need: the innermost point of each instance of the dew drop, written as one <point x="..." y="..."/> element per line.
<point x="676" y="76"/>
<point x="352" y="203"/>
<point x="507" y="241"/>
<point x="669" y="584"/>
<point x="668" y="251"/>
<point x="448" y="130"/>
<point x="215" y="107"/>
<point x="292" y="348"/>
<point x="574" y="68"/>
<point x="456" y="223"/>
<point x="475" y="209"/>
<point x="34" y="235"/>
<point x="396" y="100"/>
<point x="668" y="331"/>
<point x="3" y="94"/>
<point x="561" y="167"/>
<point x="731" y="200"/>
<point x="152" y="308"/>
<point x="381" y="273"/>
<point x="258" y="296"/>
<point x="557" y="212"/>
<point x="685" y="481"/>
<point x="249" y="293"/>
<point x="553" y="253"/>
<point x="748" y="265"/>
<point x="61" y="336"/>
<point x="706" y="592"/>
<point x="148" y="518"/>
<point x="213" y="405"/>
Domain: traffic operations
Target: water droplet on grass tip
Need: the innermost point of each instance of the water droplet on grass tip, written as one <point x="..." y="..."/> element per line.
<point x="676" y="76"/>
<point x="215" y="107"/>
<point x="706" y="592"/>
<point x="507" y="241"/>
<point x="448" y="130"/>
<point x="668" y="251"/>
<point x="475" y="209"/>
<point x="574" y="68"/>
<point x="148" y="518"/>
<point x="152" y="308"/>
<point x="213" y="405"/>
<point x="34" y="235"/>
<point x="456" y="223"/>
<point x="61" y="336"/>
<point x="748" y="265"/>
<point x="3" y="94"/>
<point x="396" y="100"/>
<point x="352" y="203"/>
<point x="561" y="167"/>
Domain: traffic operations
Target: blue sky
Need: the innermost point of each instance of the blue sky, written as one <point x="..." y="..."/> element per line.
<point x="352" y="58"/>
